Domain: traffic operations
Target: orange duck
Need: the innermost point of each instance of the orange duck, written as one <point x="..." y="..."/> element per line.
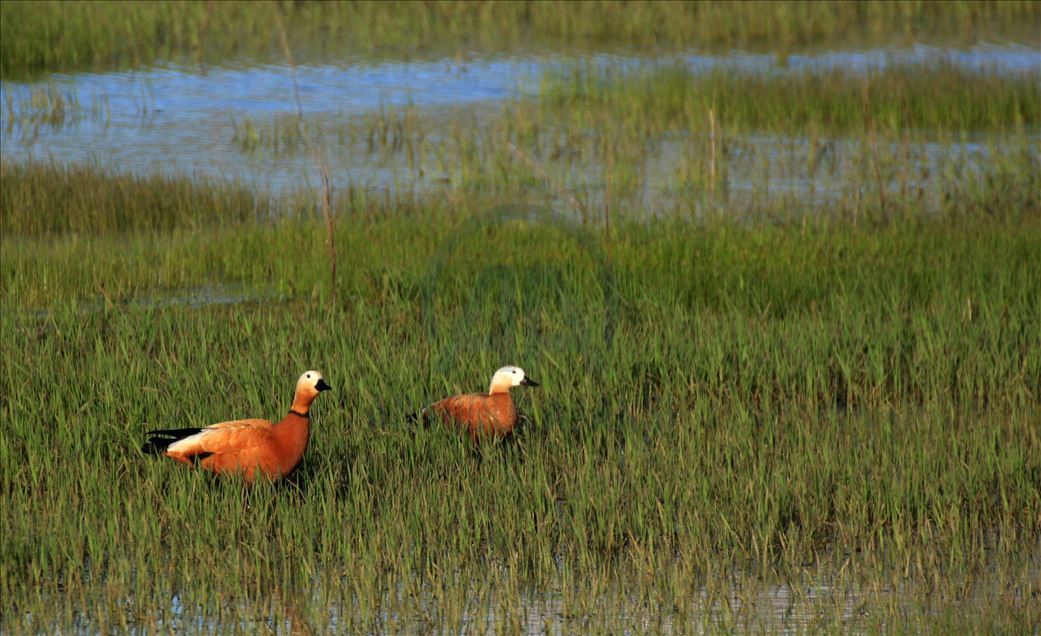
<point x="248" y="447"/>
<point x="480" y="415"/>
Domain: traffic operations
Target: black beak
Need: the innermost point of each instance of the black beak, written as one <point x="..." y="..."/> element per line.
<point x="528" y="382"/>
<point x="322" y="386"/>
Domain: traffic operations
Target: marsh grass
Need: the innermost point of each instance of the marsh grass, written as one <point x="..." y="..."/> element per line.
<point x="643" y="137"/>
<point x="40" y="37"/>
<point x="767" y="415"/>
<point x="927" y="96"/>
<point x="847" y="409"/>
<point x="69" y="199"/>
<point x="44" y="105"/>
<point x="282" y="134"/>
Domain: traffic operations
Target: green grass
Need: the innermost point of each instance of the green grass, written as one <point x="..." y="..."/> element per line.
<point x="928" y="96"/>
<point x="725" y="406"/>
<point x="40" y="199"/>
<point x="40" y="37"/>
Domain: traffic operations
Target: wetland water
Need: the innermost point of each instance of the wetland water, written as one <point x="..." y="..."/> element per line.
<point x="235" y="122"/>
<point x="814" y="598"/>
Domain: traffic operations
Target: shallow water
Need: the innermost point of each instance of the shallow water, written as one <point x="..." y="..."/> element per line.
<point x="191" y="121"/>
<point x="815" y="598"/>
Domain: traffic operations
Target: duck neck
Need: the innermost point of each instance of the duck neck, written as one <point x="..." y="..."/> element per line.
<point x="301" y="404"/>
<point x="292" y="432"/>
<point x="496" y="389"/>
<point x="501" y="399"/>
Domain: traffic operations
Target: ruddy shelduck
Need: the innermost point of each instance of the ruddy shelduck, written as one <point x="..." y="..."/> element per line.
<point x="251" y="448"/>
<point x="479" y="415"/>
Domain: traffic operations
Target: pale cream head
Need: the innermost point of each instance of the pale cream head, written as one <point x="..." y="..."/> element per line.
<point x="508" y="377"/>
<point x="310" y="384"/>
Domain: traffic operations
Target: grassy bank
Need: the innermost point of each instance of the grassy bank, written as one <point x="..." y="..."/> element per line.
<point x="846" y="408"/>
<point x="39" y="37"/>
<point x="928" y="97"/>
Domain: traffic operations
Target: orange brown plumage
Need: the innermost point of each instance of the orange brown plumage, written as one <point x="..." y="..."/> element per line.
<point x="481" y="415"/>
<point x="251" y="447"/>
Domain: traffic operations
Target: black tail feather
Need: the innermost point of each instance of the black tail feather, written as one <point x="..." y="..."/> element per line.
<point x="423" y="417"/>
<point x="160" y="439"/>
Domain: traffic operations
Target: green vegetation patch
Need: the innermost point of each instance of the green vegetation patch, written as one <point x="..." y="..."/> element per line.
<point x="55" y="199"/>
<point x="846" y="407"/>
<point x="40" y="37"/>
<point x="930" y="96"/>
